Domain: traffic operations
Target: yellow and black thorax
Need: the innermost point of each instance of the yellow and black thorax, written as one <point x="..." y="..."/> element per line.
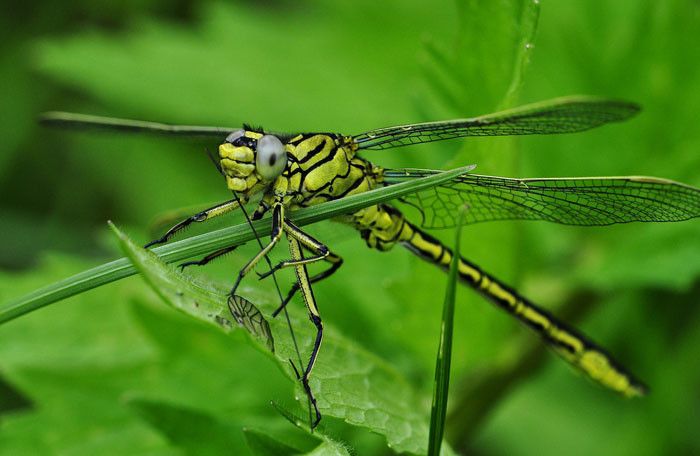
<point x="301" y="171"/>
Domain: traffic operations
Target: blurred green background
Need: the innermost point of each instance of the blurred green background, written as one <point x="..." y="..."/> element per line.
<point x="114" y="371"/>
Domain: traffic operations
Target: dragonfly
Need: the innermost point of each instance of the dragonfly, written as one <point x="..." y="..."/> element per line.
<point x="292" y="171"/>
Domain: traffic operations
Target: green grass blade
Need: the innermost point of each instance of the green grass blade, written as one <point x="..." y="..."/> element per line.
<point x="202" y="244"/>
<point x="444" y="355"/>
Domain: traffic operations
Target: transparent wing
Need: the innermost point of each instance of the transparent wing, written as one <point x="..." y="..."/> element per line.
<point x="248" y="316"/>
<point x="590" y="201"/>
<point x="561" y="115"/>
<point x="85" y="121"/>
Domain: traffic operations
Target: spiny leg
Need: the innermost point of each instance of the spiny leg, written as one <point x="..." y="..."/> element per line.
<point x="269" y="263"/>
<point x="203" y="216"/>
<point x="314" y="316"/>
<point x="296" y="239"/>
<point x="277" y="227"/>
<point x="336" y="263"/>
<point x="208" y="258"/>
<point x="262" y="209"/>
<point x="320" y="251"/>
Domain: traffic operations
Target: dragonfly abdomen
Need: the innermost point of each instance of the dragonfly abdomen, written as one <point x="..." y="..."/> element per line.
<point x="387" y="226"/>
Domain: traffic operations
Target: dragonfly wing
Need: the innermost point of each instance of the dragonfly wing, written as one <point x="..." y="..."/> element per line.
<point x="86" y="121"/>
<point x="561" y="115"/>
<point x="587" y="201"/>
<point x="248" y="316"/>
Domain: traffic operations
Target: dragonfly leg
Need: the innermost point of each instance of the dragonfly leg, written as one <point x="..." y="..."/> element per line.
<point x="262" y="209"/>
<point x="275" y="235"/>
<point x="316" y="319"/>
<point x="214" y="211"/>
<point x="208" y="258"/>
<point x="336" y="263"/>
<point x="320" y="251"/>
<point x="314" y="316"/>
<point x="309" y="394"/>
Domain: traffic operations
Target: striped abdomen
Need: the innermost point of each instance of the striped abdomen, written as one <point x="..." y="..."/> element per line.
<point x="389" y="227"/>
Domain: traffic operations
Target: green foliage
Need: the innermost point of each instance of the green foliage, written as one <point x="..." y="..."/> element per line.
<point x="114" y="371"/>
<point x="351" y="383"/>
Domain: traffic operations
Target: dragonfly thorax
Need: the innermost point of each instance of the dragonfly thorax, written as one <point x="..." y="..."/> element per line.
<point x="324" y="167"/>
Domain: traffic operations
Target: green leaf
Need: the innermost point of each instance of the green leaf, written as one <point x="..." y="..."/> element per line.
<point x="206" y="304"/>
<point x="268" y="445"/>
<point x="356" y="386"/>
<point x="349" y="382"/>
<point x="191" y="430"/>
<point x="329" y="448"/>
<point x="11" y="399"/>
<point x="262" y="444"/>
<point x="76" y="412"/>
<point x="180" y="293"/>
<point x="444" y="356"/>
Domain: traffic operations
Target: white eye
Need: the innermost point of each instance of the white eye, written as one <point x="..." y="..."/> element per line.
<point x="271" y="157"/>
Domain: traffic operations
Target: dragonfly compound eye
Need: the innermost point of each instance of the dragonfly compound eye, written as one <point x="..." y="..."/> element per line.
<point x="271" y="157"/>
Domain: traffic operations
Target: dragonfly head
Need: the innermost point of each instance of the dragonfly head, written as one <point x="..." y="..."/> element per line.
<point x="251" y="160"/>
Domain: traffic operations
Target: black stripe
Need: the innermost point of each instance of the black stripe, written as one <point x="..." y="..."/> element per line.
<point x="352" y="187"/>
<point x="330" y="183"/>
<point x="319" y="147"/>
<point x="329" y="157"/>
